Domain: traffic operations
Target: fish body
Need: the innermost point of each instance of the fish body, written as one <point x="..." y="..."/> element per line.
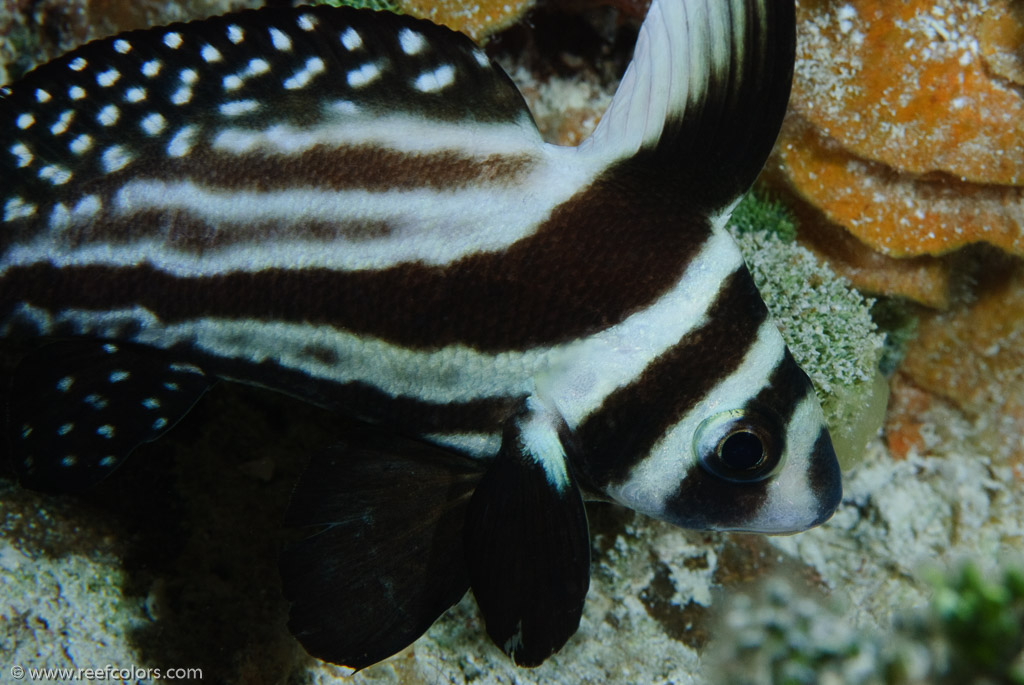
<point x="356" y="208"/>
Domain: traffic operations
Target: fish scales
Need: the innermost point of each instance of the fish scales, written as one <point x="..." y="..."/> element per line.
<point x="356" y="208"/>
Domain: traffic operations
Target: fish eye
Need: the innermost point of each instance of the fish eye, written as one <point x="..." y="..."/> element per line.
<point x="741" y="445"/>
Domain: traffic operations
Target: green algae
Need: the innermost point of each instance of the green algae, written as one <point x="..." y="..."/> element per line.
<point x="970" y="634"/>
<point x="825" y="322"/>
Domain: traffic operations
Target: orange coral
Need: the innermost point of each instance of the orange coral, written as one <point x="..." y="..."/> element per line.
<point x="1001" y="41"/>
<point x="909" y="87"/>
<point x="898" y="214"/>
<point x="907" y="126"/>
<point x="476" y="19"/>
<point x="974" y="358"/>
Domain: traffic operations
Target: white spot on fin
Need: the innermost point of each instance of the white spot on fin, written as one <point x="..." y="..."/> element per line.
<point x="436" y="80"/>
<point x="364" y="75"/>
<point x="412" y="42"/>
<point x="351" y="39"/>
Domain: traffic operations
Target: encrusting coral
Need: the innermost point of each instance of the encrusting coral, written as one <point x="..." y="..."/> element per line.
<point x="973" y="358"/>
<point x="907" y="130"/>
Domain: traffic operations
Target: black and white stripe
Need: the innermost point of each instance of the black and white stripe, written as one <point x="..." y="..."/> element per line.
<point x="356" y="207"/>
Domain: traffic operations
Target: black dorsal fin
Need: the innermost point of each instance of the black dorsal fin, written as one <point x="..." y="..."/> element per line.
<point x="134" y="103"/>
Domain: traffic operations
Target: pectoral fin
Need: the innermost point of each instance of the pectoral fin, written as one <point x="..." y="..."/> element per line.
<point x="527" y="541"/>
<point x="386" y="557"/>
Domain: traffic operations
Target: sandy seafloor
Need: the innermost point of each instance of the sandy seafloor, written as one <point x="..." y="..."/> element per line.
<point x="172" y="564"/>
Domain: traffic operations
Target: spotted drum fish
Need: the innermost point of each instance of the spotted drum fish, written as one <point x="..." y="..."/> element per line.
<point x="356" y="208"/>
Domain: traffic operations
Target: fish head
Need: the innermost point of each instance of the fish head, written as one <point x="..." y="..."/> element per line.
<point x="741" y="459"/>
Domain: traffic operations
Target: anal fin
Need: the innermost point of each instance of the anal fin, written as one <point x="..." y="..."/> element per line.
<point x="79" y="407"/>
<point x="527" y="541"/>
<point x="387" y="559"/>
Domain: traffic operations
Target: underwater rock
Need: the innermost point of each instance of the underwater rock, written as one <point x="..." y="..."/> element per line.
<point x="906" y="129"/>
<point x="32" y="32"/>
<point x="973" y="357"/>
<point x="477" y="19"/>
<point x="903" y="83"/>
<point x="895" y="213"/>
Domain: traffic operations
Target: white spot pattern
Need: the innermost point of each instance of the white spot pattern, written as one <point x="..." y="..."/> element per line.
<point x="62" y="123"/>
<point x="122" y="46"/>
<point x="182" y="96"/>
<point x="364" y="75"/>
<point x="88" y="207"/>
<point x="412" y="42"/>
<point x="109" y="115"/>
<point x="56" y="175"/>
<point x="115" y="158"/>
<point x="76" y="92"/>
<point x="25" y="121"/>
<point x="210" y="54"/>
<point x="151" y="68"/>
<point x="108" y="78"/>
<point x="301" y="78"/>
<point x="81" y="144"/>
<point x="182" y="141"/>
<point x="307" y="22"/>
<point x="280" y="39"/>
<point x="173" y="40"/>
<point x="42" y="95"/>
<point x="235" y="34"/>
<point x="154" y="123"/>
<point x="77" y="64"/>
<point x="135" y="94"/>
<point x="17" y="208"/>
<point x="351" y="39"/>
<point x="238" y="107"/>
<point x="24" y="155"/>
<point x="436" y="80"/>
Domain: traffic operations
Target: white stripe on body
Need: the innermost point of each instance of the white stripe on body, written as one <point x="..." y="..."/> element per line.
<point x="574" y="378"/>
<point x="429" y="226"/>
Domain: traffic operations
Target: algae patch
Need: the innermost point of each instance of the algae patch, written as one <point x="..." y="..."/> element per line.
<point x="825" y="322"/>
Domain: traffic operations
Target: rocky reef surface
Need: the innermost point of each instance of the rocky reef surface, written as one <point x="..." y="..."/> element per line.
<point x="901" y="166"/>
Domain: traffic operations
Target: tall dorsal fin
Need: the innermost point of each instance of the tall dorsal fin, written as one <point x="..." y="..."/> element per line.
<point x="707" y="128"/>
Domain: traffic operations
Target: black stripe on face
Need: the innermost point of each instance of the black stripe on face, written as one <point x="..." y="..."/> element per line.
<point x="713" y="503"/>
<point x="632" y="419"/>
<point x="824" y="476"/>
<point x="787" y="386"/>
<point x="603" y="255"/>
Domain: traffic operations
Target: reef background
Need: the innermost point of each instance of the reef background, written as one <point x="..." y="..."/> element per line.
<point x="901" y="160"/>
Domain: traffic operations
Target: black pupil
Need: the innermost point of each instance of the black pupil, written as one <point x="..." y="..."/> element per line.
<point x="742" y="451"/>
